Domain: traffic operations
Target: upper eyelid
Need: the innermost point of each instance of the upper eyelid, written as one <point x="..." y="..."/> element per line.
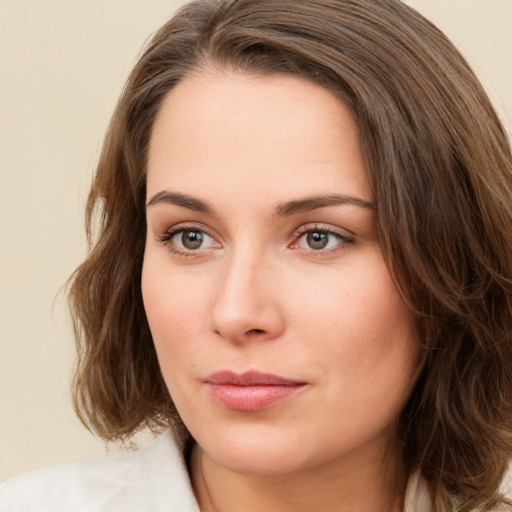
<point x="165" y="235"/>
<point x="326" y="228"/>
<point x="181" y="226"/>
<point x="191" y="226"/>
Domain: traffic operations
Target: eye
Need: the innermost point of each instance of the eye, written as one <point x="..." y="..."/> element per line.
<point x="321" y="240"/>
<point x="317" y="240"/>
<point x="191" y="239"/>
<point x="187" y="240"/>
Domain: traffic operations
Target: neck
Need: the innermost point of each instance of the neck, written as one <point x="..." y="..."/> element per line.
<point x="338" y="487"/>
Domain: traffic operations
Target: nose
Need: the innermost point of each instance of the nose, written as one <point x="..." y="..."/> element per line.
<point x="247" y="305"/>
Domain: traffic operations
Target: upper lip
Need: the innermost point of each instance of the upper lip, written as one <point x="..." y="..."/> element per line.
<point x="250" y="378"/>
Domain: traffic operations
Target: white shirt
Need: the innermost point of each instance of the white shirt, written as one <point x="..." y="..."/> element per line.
<point x="153" y="479"/>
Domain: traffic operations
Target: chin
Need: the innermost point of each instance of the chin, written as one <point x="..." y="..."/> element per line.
<point x="271" y="449"/>
<point x="257" y="461"/>
<point x="256" y="451"/>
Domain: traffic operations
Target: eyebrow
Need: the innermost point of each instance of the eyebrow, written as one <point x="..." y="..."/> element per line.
<point x="182" y="200"/>
<point x="313" y="203"/>
<point x="282" y="210"/>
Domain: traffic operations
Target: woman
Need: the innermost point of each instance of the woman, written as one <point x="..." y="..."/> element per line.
<point x="303" y="266"/>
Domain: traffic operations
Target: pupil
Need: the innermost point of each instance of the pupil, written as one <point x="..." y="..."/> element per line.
<point x="192" y="239"/>
<point x="317" y="240"/>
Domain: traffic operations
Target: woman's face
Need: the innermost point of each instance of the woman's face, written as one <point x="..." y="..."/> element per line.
<point x="280" y="334"/>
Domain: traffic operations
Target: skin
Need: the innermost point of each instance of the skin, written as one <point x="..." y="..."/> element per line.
<point x="256" y="294"/>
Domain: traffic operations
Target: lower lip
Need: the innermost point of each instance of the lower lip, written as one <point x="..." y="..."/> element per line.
<point x="251" y="398"/>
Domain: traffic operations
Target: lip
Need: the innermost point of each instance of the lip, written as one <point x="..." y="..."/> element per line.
<point x="252" y="390"/>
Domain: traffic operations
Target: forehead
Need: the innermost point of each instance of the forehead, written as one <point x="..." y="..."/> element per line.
<point x="255" y="133"/>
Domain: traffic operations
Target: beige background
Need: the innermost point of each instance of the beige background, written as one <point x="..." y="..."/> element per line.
<point x="62" y="66"/>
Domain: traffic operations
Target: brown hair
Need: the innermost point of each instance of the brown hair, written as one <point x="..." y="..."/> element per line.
<point x="441" y="170"/>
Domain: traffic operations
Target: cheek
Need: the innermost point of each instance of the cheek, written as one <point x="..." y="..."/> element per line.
<point x="175" y="311"/>
<point x="360" y="304"/>
<point x="173" y="300"/>
<point x="365" y="333"/>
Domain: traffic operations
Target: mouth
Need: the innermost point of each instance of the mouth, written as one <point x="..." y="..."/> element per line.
<point x="252" y="390"/>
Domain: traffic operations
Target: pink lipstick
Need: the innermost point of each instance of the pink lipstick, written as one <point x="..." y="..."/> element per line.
<point x="250" y="391"/>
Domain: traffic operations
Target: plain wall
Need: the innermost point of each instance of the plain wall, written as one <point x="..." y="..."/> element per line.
<point x="62" y="67"/>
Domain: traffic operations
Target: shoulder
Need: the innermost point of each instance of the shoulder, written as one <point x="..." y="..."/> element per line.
<point x="154" y="478"/>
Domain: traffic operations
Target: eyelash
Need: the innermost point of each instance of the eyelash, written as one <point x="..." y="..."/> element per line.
<point x="343" y="239"/>
<point x="170" y="233"/>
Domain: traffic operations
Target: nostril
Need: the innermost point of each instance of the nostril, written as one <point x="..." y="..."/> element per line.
<point x="255" y="331"/>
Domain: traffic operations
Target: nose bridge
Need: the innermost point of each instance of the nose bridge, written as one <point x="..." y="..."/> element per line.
<point x="246" y="304"/>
